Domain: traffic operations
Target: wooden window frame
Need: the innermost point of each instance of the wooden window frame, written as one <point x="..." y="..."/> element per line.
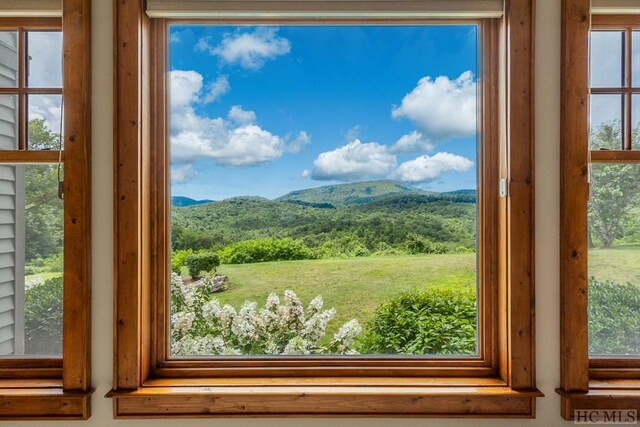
<point x="52" y="388"/>
<point x="147" y="383"/>
<point x="601" y="382"/>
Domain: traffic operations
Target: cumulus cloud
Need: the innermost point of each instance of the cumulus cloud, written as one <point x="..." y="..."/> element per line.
<point x="47" y="108"/>
<point x="240" y="116"/>
<point x="181" y="174"/>
<point x="297" y="145"/>
<point x="233" y="141"/>
<point x="441" y="108"/>
<point x="248" y="49"/>
<point x="428" y="168"/>
<point x="414" y="142"/>
<point x="216" y="89"/>
<point x="354" y="161"/>
<point x="306" y="173"/>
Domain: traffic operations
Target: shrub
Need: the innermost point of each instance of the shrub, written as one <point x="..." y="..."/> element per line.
<point x="263" y="250"/>
<point x="204" y="327"/>
<point x="424" y="322"/>
<point x="417" y="244"/>
<point x="203" y="262"/>
<point x="178" y="259"/>
<point x="614" y="318"/>
<point x="43" y="317"/>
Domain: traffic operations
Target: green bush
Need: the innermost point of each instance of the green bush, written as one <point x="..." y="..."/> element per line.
<point x="614" y="318"/>
<point x="417" y="244"/>
<point x="263" y="250"/>
<point x="179" y="259"/>
<point x="424" y="322"/>
<point x="203" y="262"/>
<point x="43" y="317"/>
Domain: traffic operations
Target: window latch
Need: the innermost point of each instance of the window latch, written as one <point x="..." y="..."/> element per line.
<point x="503" y="187"/>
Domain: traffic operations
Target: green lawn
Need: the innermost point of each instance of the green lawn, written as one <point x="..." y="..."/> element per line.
<point x="354" y="286"/>
<point x="619" y="264"/>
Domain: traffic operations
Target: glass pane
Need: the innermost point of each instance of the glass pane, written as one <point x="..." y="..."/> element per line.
<point x="312" y="214"/>
<point x="606" y="122"/>
<point x="44" y="122"/>
<point x="606" y="59"/>
<point x="30" y="260"/>
<point x="45" y="59"/>
<point x="636" y="58"/>
<point x="8" y="59"/>
<point x="8" y="122"/>
<point x="614" y="260"/>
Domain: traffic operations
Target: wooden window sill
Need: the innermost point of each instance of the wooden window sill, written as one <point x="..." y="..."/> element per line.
<point x="602" y="395"/>
<point x="42" y="400"/>
<point x="308" y="397"/>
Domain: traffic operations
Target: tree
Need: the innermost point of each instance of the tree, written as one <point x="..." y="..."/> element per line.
<point x="43" y="208"/>
<point x="615" y="189"/>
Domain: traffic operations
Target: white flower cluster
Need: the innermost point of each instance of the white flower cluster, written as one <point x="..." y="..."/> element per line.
<point x="203" y="327"/>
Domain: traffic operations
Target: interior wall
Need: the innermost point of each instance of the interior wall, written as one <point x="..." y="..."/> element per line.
<point x="547" y="242"/>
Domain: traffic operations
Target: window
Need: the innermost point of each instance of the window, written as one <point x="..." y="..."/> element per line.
<point x="44" y="218"/>
<point x="601" y="175"/>
<point x="155" y="364"/>
<point x="311" y="216"/>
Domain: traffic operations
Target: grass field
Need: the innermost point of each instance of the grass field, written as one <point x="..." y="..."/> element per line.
<point x="619" y="264"/>
<point x="355" y="287"/>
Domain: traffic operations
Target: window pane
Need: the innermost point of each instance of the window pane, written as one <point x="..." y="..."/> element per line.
<point x="636" y="58"/>
<point x="606" y="59"/>
<point x="331" y="173"/>
<point x="45" y="59"/>
<point x="606" y="122"/>
<point x="30" y="260"/>
<point x="614" y="260"/>
<point x="44" y="122"/>
<point x="8" y="122"/>
<point x="8" y="59"/>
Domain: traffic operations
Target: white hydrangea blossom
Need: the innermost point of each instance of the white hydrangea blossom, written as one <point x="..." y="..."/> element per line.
<point x="201" y="326"/>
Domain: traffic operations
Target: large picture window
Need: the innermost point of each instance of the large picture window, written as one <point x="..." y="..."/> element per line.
<point x="324" y="189"/>
<point x="319" y="211"/>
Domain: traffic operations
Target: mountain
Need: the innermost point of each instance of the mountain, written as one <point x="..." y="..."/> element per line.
<point x="187" y="201"/>
<point x="356" y="193"/>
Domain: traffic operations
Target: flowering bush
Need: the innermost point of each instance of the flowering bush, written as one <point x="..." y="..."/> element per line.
<point x="201" y="326"/>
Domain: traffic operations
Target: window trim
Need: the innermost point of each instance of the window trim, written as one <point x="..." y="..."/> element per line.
<point x="60" y="388"/>
<point x="137" y="391"/>
<point x="586" y="382"/>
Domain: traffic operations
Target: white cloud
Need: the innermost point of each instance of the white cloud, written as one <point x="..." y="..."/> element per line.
<point x="414" y="142"/>
<point x="236" y="141"/>
<point x="216" y="89"/>
<point x="240" y="116"/>
<point x="441" y="108"/>
<point x="354" y="161"/>
<point x="428" y="168"/>
<point x="181" y="174"/>
<point x="45" y="66"/>
<point x="249" y="50"/>
<point x="297" y="145"/>
<point x="47" y="108"/>
<point x="353" y="133"/>
<point x="306" y="173"/>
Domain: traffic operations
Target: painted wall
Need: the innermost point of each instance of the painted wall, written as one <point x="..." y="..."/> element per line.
<point x="547" y="226"/>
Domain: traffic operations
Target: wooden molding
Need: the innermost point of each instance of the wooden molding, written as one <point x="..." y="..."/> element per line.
<point x="574" y="193"/>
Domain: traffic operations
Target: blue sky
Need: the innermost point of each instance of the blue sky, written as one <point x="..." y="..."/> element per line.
<point x="267" y="110"/>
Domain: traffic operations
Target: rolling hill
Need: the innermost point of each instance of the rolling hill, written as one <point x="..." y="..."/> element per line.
<point x="356" y="193"/>
<point x="187" y="201"/>
<point x="376" y="215"/>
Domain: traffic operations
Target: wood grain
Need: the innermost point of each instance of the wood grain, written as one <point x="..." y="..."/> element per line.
<point x="76" y="362"/>
<point x="574" y="193"/>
